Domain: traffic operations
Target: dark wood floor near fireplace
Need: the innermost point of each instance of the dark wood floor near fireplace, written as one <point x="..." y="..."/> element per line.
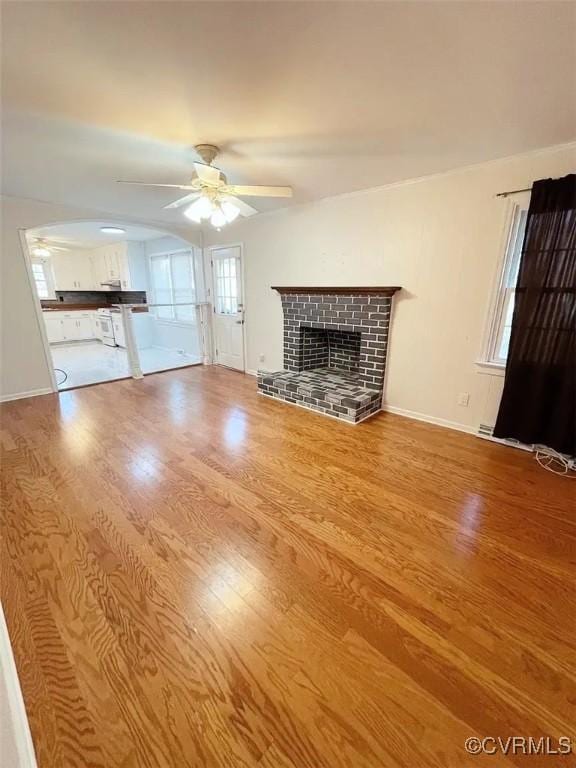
<point x="194" y="576"/>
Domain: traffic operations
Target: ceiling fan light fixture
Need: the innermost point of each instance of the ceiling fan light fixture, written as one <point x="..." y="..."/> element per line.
<point x="40" y="251"/>
<point x="200" y="209"/>
<point x="193" y="215"/>
<point x="218" y="218"/>
<point x="230" y="211"/>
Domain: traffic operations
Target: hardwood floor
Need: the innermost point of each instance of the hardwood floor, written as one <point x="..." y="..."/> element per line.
<point x="196" y="576"/>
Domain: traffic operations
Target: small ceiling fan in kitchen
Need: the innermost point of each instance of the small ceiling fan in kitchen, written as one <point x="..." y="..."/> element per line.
<point x="41" y="247"/>
<point x="210" y="197"/>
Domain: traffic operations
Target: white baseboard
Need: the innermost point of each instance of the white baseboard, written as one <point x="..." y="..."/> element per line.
<point x="13" y="709"/>
<point x="410" y="415"/>
<point x="430" y="419"/>
<point x="22" y="395"/>
<point x="507" y="443"/>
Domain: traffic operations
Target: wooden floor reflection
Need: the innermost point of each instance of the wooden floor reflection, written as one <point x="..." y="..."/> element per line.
<point x="196" y="576"/>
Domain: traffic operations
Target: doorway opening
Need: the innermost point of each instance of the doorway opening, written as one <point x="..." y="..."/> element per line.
<point x="115" y="300"/>
<point x="228" y="306"/>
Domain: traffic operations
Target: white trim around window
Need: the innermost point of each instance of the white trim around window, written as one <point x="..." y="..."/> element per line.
<point x="43" y="278"/>
<point x="495" y="347"/>
<point x="167" y="288"/>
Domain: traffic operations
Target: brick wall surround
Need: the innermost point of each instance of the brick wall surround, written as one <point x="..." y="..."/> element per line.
<point x="335" y="344"/>
<point x="367" y="315"/>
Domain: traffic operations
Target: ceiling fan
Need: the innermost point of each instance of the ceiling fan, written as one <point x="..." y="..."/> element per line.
<point x="211" y="197"/>
<point x="39" y="246"/>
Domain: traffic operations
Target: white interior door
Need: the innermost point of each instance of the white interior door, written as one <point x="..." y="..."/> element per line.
<point x="228" y="306"/>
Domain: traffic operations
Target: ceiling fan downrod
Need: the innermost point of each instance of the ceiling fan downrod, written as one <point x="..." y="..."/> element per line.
<point x="207" y="152"/>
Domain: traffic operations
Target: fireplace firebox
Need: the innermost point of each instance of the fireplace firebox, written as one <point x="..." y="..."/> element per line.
<point x="322" y="348"/>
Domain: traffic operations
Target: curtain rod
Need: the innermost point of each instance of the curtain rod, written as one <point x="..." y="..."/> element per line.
<point x="513" y="192"/>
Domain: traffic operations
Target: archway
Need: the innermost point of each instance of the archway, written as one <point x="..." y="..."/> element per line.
<point x="115" y="299"/>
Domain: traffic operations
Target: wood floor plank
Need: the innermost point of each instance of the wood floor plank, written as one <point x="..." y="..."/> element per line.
<point x="196" y="576"/>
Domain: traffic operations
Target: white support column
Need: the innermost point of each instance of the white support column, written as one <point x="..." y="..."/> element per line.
<point x="203" y="320"/>
<point x="131" y="347"/>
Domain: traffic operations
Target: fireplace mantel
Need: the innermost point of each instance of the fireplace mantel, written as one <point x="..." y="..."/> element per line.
<point x="386" y="290"/>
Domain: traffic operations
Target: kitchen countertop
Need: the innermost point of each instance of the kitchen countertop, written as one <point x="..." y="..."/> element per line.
<point x="86" y="307"/>
<point x="74" y="307"/>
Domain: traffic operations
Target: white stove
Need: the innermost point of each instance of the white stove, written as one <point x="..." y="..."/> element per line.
<point x="105" y="327"/>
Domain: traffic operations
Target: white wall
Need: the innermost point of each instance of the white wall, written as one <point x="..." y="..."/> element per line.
<point x="440" y="238"/>
<point x="16" y="748"/>
<point x="24" y="368"/>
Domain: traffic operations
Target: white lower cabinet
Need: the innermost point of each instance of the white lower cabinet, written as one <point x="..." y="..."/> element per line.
<point x="69" y="326"/>
<point x="54" y="329"/>
<point x="118" y="325"/>
<point x="96" y="330"/>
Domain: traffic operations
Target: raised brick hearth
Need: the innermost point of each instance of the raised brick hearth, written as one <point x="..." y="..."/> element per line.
<point x="335" y="343"/>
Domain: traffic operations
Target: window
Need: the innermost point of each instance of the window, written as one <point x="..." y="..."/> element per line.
<point x="172" y="278"/>
<point x="227" y="285"/>
<point x="42" y="278"/>
<point x="501" y="324"/>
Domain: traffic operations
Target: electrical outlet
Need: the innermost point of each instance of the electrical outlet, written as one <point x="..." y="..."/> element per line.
<point x="463" y="398"/>
<point x="261" y="357"/>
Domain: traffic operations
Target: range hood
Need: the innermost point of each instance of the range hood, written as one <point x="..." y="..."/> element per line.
<point x="112" y="284"/>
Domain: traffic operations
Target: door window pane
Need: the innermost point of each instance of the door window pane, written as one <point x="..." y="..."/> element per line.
<point x="227" y="288"/>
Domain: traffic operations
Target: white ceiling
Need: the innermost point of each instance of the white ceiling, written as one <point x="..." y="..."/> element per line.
<point x="328" y="97"/>
<point x="87" y="234"/>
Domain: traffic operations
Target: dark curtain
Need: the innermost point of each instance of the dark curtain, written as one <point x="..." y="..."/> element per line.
<point x="539" y="400"/>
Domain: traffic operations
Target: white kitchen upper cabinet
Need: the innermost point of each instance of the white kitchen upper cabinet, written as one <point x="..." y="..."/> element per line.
<point x="133" y="272"/>
<point x="114" y="256"/>
<point x="72" y="271"/>
<point x="84" y="274"/>
<point x="83" y="270"/>
<point x="99" y="269"/>
<point x="124" y="262"/>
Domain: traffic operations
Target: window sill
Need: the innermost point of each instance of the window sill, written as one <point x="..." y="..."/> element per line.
<point x="490" y="369"/>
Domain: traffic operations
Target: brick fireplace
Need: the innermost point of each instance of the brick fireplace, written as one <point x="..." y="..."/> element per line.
<point x="335" y="344"/>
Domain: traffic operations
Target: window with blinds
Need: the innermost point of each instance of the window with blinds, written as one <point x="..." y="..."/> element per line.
<point x="496" y="349"/>
<point x="173" y="284"/>
<point x="42" y="278"/>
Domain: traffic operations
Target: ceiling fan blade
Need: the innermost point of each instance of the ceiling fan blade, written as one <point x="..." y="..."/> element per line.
<point x="149" y="184"/>
<point x="244" y="208"/>
<point x="235" y="189"/>
<point x="183" y="200"/>
<point x="207" y="173"/>
<point x="42" y="243"/>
